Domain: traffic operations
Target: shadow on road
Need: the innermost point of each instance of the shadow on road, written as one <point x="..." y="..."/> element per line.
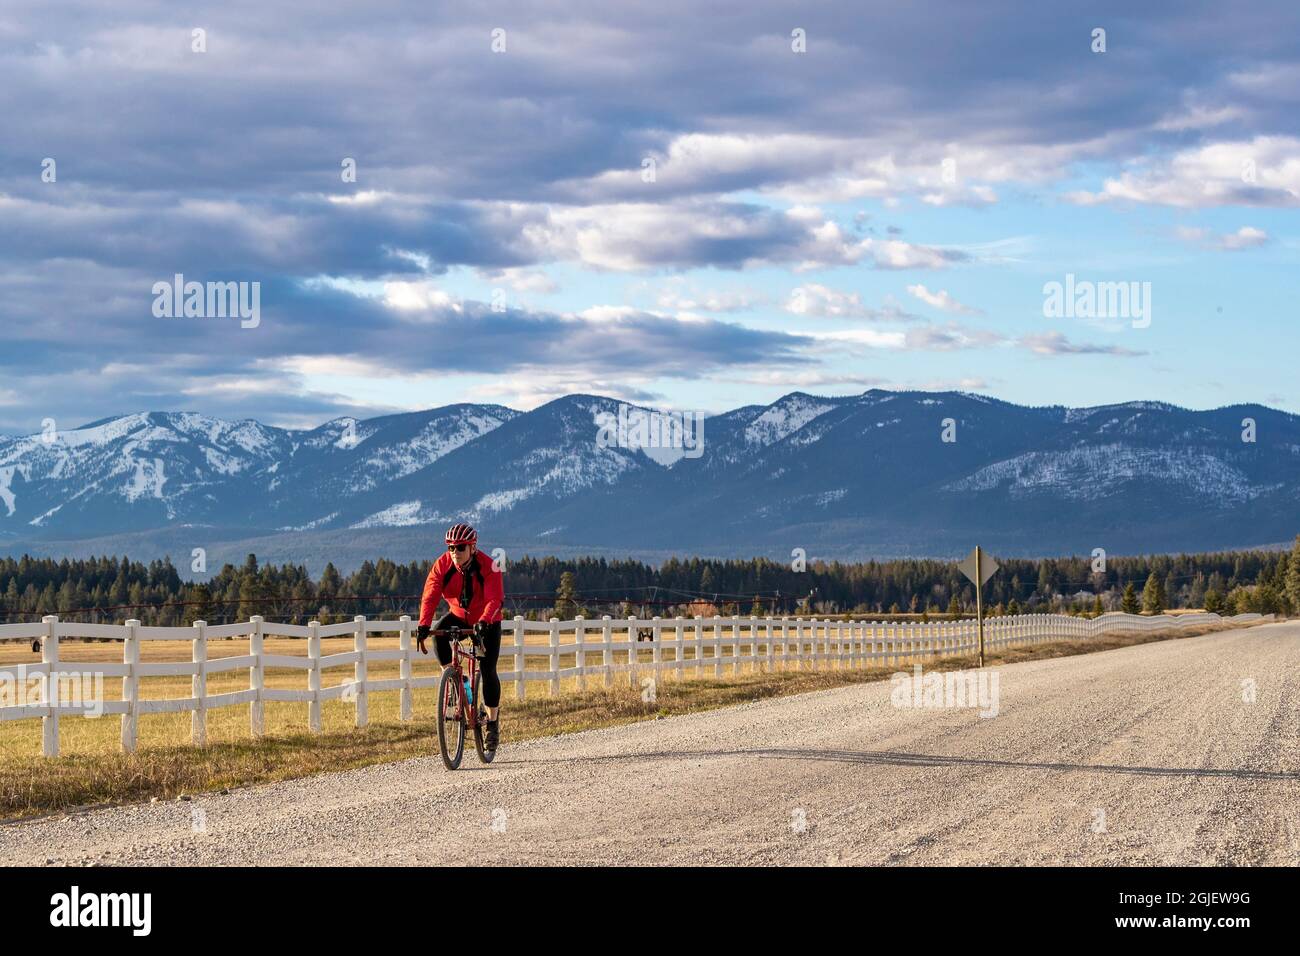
<point x="894" y="758"/>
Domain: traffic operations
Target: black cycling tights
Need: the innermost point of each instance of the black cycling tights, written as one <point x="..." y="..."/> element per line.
<point x="491" y="650"/>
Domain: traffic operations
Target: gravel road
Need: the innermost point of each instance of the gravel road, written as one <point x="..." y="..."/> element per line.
<point x="1141" y="755"/>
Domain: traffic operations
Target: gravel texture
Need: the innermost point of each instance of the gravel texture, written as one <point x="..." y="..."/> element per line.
<point x="1141" y="755"/>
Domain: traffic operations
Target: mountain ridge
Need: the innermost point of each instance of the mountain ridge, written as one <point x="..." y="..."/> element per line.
<point x="867" y="475"/>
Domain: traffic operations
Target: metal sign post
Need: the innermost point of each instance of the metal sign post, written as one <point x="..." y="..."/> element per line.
<point x="979" y="601"/>
<point x="979" y="569"/>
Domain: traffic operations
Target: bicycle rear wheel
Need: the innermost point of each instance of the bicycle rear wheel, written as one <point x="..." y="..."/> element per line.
<point x="451" y="719"/>
<point x="480" y="730"/>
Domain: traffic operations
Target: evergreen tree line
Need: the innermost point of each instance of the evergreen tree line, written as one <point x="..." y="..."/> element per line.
<point x="110" y="589"/>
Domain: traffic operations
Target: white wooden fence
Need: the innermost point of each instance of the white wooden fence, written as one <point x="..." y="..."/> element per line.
<point x="535" y="650"/>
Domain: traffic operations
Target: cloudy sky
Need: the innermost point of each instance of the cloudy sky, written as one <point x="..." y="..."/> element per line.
<point x="643" y="200"/>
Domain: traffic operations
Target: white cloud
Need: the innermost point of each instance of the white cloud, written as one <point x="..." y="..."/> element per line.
<point x="941" y="300"/>
<point x="869" y="338"/>
<point x="822" y="301"/>
<point x="930" y="338"/>
<point x="718" y="300"/>
<point x="813" y="168"/>
<point x="1056" y="343"/>
<point x="1264" y="171"/>
<point x="629" y="237"/>
<point x="417" y="296"/>
<point x="521" y="280"/>
<point x="1247" y="237"/>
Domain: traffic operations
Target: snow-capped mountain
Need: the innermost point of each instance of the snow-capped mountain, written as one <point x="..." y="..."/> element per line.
<point x="856" y="476"/>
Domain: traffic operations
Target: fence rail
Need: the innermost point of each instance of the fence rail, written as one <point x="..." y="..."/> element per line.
<point x="606" y="648"/>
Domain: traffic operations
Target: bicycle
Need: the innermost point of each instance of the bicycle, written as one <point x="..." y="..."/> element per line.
<point x="453" y="716"/>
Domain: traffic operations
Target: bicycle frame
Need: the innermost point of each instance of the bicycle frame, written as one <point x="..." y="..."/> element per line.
<point x="464" y="663"/>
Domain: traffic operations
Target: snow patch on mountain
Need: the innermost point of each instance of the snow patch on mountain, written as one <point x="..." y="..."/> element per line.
<point x="1092" y="472"/>
<point x="103" y="433"/>
<point x="6" y="493"/>
<point x="147" y="479"/>
<point x="325" y="519"/>
<point x="784" y="418"/>
<point x="436" y="439"/>
<point x="401" y="515"/>
<point x="499" y="501"/>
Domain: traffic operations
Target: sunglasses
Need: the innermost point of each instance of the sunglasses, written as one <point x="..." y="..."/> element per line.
<point x="457" y="547"/>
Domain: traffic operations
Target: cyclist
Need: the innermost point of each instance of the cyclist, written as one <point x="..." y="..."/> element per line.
<point x="474" y="593"/>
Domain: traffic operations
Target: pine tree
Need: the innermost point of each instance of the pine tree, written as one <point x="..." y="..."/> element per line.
<point x="201" y="606"/>
<point x="1213" y="601"/>
<point x="565" y="605"/>
<point x="1129" y="603"/>
<point x="1153" y="596"/>
<point x="1293" y="576"/>
<point x="954" y="608"/>
<point x="1097" y="608"/>
<point x="1045" y="587"/>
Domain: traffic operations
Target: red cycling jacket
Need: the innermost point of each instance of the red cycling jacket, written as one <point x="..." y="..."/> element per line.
<point x="486" y="595"/>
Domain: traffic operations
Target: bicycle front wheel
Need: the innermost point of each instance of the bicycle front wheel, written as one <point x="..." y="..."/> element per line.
<point x="451" y="719"/>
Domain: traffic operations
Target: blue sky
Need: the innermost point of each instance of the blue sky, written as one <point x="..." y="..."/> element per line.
<point x="882" y="210"/>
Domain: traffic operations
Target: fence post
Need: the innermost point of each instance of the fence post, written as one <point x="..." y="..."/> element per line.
<point x="50" y="658"/>
<point x="521" y="683"/>
<point x="656" y="645"/>
<point x="718" y="648"/>
<point x="313" y="677"/>
<point x="607" y="637"/>
<point x="698" y="660"/>
<point x="633" y="657"/>
<point x="131" y="686"/>
<point x="753" y="644"/>
<point x="361" y="700"/>
<point x="579" y="655"/>
<point x="555" y="657"/>
<point x="679" y="658"/>
<point x="737" y="647"/>
<point x="199" y="685"/>
<point x="256" y="679"/>
<point x="404" y="669"/>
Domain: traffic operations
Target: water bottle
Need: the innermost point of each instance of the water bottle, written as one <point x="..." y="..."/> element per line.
<point x="469" y="693"/>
